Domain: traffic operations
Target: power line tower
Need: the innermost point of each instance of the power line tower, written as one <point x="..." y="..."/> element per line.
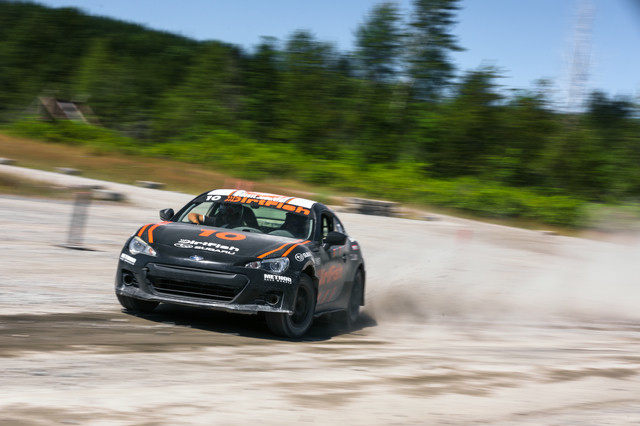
<point x="580" y="59"/>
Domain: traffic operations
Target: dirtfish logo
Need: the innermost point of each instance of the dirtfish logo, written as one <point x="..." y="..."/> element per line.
<point x="207" y="246"/>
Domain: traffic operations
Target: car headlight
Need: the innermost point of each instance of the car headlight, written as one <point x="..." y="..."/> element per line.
<point x="139" y="246"/>
<point x="273" y="266"/>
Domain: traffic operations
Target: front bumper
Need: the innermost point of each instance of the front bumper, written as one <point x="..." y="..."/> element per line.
<point x="239" y="290"/>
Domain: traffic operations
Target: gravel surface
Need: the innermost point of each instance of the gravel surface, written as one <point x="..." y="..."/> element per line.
<point x="465" y="323"/>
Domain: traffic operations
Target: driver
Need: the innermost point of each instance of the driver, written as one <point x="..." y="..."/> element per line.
<point x="229" y="215"/>
<point x="296" y="224"/>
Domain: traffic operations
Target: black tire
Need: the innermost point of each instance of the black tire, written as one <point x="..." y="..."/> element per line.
<point x="297" y="324"/>
<point x="136" y="305"/>
<point x="351" y="315"/>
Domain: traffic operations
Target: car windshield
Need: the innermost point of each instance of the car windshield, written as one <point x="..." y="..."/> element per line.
<point x="252" y="218"/>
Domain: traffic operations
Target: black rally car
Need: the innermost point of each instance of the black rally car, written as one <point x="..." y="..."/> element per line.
<point x="246" y="252"/>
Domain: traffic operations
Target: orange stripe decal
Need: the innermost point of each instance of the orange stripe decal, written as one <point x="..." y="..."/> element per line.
<point x="152" y="228"/>
<point x="286" y="253"/>
<point x="278" y="249"/>
<point x="143" y="229"/>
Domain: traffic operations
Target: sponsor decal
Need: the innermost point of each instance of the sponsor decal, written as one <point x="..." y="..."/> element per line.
<point x="126" y="258"/>
<point x="300" y="257"/>
<point x="330" y="275"/>
<point x="277" y="279"/>
<point x="254" y="196"/>
<point x="330" y="282"/>
<point x="327" y="295"/>
<point x="291" y="204"/>
<point x="207" y="246"/>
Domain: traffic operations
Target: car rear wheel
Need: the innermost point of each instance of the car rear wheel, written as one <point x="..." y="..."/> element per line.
<point x="297" y="324"/>
<point x="136" y="305"/>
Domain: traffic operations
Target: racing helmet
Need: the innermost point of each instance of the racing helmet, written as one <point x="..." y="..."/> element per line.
<point x="229" y="212"/>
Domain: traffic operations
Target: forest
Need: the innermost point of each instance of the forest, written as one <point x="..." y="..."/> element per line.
<point x="392" y="119"/>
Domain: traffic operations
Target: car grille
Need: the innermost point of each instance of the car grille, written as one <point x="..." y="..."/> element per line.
<point x="195" y="283"/>
<point x="197" y="290"/>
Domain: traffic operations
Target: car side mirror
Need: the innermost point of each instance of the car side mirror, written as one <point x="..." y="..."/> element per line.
<point x="335" y="238"/>
<point x="166" y="214"/>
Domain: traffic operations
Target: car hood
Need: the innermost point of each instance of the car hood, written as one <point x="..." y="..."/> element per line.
<point x="216" y="244"/>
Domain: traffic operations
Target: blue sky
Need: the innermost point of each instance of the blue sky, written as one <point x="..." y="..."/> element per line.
<point x="526" y="40"/>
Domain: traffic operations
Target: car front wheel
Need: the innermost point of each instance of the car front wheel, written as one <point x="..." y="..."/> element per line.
<point x="296" y="324"/>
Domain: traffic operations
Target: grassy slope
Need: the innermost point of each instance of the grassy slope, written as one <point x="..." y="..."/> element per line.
<point x="127" y="169"/>
<point x="192" y="179"/>
<point x="177" y="176"/>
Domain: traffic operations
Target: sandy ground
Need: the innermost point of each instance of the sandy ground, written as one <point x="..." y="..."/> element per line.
<point x="465" y="323"/>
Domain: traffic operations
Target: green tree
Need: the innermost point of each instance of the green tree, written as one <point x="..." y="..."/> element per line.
<point x="430" y="42"/>
<point x="468" y="128"/>
<point x="529" y="126"/>
<point x="312" y="104"/>
<point x="32" y="59"/>
<point x="616" y="133"/>
<point x="210" y="95"/>
<point x="607" y="113"/>
<point x="263" y="74"/>
<point x="379" y="42"/>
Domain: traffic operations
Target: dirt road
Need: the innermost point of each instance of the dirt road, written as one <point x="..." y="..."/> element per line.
<point x="465" y="323"/>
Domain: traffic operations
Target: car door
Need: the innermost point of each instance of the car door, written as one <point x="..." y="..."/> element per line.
<point x="333" y="268"/>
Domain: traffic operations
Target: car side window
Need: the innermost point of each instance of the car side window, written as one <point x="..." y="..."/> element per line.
<point x="202" y="208"/>
<point x="327" y="225"/>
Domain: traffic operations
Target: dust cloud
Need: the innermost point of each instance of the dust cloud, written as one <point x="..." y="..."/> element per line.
<point x="479" y="272"/>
